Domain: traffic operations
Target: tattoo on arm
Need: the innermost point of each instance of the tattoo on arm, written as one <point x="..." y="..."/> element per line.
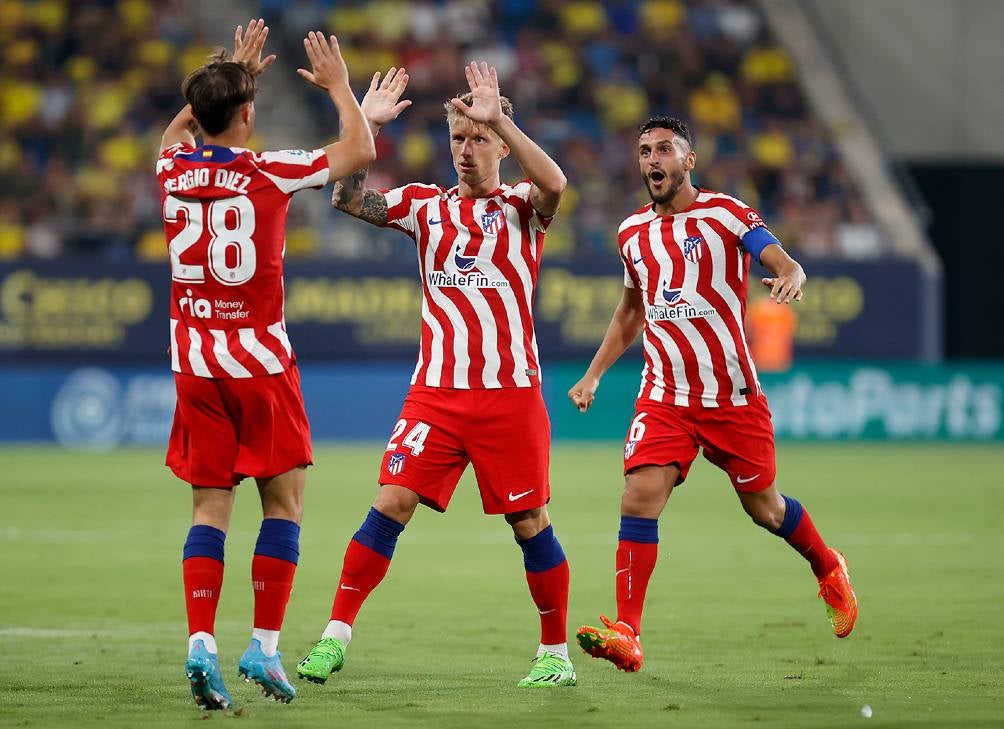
<point x="373" y="208"/>
<point x="352" y="196"/>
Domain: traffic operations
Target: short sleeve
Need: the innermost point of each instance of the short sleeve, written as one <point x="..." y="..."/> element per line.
<point x="165" y="163"/>
<point x="520" y="195"/>
<point x="294" y="169"/>
<point x="753" y="234"/>
<point x="402" y="207"/>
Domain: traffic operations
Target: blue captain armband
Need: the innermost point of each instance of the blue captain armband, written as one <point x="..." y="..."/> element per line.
<point x="758" y="239"/>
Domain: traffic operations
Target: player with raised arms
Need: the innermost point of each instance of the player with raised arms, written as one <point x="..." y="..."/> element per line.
<point x="239" y="411"/>
<point x="475" y="394"/>
<point x="686" y="259"/>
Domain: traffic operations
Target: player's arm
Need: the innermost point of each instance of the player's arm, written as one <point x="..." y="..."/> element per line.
<point x="355" y="147"/>
<point x="545" y="174"/>
<point x="625" y="326"/>
<point x="788" y="279"/>
<point x="182" y="129"/>
<point x="380" y="105"/>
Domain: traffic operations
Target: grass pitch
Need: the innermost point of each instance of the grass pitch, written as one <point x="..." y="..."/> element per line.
<point x="92" y="618"/>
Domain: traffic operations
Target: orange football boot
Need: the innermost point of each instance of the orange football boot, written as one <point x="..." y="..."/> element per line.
<point x="841" y="602"/>
<point x="616" y="643"/>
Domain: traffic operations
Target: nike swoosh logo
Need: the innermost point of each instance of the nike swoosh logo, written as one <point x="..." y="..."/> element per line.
<point x="545" y="612"/>
<point x="740" y="479"/>
<point x="346" y="587"/>
<point x="638" y="260"/>
<point x="436" y="222"/>
<point x="514" y="497"/>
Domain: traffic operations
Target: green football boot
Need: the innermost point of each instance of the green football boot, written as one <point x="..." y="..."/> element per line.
<point x="324" y="659"/>
<point x="549" y="670"/>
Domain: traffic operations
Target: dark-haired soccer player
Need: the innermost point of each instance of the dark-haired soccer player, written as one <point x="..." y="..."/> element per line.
<point x="475" y="395"/>
<point x="239" y="411"/>
<point x="686" y="263"/>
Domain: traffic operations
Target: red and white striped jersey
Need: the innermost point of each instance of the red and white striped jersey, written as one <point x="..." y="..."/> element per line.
<point x="692" y="268"/>
<point x="478" y="258"/>
<point x="225" y="220"/>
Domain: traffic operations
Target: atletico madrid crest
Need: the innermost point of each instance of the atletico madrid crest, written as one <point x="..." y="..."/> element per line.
<point x="492" y="222"/>
<point x="396" y="464"/>
<point x="693" y="248"/>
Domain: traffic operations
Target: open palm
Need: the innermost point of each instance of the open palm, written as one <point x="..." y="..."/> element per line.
<point x="248" y="47"/>
<point x="486" y="104"/>
<point x="382" y="101"/>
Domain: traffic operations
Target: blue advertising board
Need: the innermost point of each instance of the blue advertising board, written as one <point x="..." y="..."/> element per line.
<point x="101" y="408"/>
<point x="82" y="311"/>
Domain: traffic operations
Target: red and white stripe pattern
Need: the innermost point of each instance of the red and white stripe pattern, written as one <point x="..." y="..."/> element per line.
<point x="478" y="258"/>
<point x="693" y="272"/>
<point x="223" y="329"/>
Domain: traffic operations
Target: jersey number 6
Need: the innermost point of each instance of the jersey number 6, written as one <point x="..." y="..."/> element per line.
<point x="225" y="240"/>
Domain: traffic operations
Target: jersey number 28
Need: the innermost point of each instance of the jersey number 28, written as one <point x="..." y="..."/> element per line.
<point x="225" y="242"/>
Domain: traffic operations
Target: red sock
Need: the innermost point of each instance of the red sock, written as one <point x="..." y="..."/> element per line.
<point x="810" y="545"/>
<point x="362" y="570"/>
<point x="549" y="590"/>
<point x="635" y="563"/>
<point x="272" y="580"/>
<point x="203" y="577"/>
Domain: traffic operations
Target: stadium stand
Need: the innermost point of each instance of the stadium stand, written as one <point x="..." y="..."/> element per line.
<point x="86" y="89"/>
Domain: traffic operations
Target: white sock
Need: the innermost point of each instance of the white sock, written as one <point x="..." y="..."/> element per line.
<point x="206" y="638"/>
<point x="269" y="640"/>
<point x="339" y="631"/>
<point x="557" y="649"/>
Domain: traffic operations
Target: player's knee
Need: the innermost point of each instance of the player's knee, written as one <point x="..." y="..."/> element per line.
<point x="527" y="524"/>
<point x="766" y="515"/>
<point x="396" y="503"/>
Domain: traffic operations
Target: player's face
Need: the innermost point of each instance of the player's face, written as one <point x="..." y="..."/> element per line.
<point x="665" y="160"/>
<point x="477" y="151"/>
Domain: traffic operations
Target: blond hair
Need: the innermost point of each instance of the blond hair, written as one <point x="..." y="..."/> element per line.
<point x="453" y="113"/>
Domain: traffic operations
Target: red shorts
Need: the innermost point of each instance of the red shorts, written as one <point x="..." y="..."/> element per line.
<point x="739" y="440"/>
<point x="226" y="429"/>
<point x="505" y="433"/>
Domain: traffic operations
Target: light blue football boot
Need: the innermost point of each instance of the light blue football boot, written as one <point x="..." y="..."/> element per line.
<point x="203" y="669"/>
<point x="267" y="672"/>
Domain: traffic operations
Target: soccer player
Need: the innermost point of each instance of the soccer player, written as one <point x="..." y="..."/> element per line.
<point x="686" y="263"/>
<point x="475" y="394"/>
<point x="239" y="410"/>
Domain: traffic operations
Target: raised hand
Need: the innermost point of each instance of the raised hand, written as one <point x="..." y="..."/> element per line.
<point x="381" y="103"/>
<point x="248" y="47"/>
<point x="487" y="101"/>
<point x="327" y="66"/>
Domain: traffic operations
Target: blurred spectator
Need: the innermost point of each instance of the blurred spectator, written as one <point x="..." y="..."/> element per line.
<point x="87" y="87"/>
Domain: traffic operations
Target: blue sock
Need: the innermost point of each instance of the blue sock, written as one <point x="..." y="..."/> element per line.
<point x="379" y="533"/>
<point x="279" y="538"/>
<point x="639" y="529"/>
<point x="204" y="541"/>
<point x="542" y="551"/>
<point x="792" y="516"/>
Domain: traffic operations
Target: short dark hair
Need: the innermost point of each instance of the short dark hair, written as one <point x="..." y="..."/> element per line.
<point x="217" y="90"/>
<point x="677" y="126"/>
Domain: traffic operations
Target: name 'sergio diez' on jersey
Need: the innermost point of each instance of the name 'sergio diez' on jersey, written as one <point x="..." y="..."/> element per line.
<point x="201" y="176"/>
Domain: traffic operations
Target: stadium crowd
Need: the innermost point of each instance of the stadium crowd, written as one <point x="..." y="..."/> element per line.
<point x="87" y="88"/>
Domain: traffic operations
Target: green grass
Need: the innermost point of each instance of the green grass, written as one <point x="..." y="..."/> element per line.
<point x="92" y="620"/>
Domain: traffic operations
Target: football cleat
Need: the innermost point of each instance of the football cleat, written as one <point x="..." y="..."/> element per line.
<point x="203" y="670"/>
<point x="616" y="643"/>
<point x="326" y="657"/>
<point x="549" y="670"/>
<point x="267" y="672"/>
<point x="841" y="602"/>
